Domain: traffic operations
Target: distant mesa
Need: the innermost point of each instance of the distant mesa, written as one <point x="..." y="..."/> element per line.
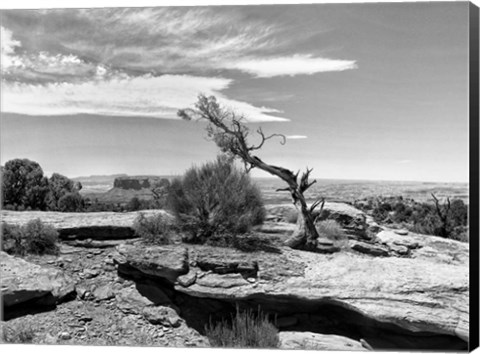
<point x="120" y="189"/>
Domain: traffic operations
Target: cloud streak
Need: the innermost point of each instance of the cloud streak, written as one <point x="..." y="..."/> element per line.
<point x="291" y="66"/>
<point x="296" y="137"/>
<point x="145" y="96"/>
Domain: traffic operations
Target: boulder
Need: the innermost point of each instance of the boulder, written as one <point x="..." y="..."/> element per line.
<point x="399" y="249"/>
<point x="130" y="301"/>
<point x="24" y="282"/>
<point x="103" y="292"/>
<point x="162" y="315"/>
<point x="187" y="279"/>
<point x="352" y="220"/>
<point x="369" y="248"/>
<point x="317" y="341"/>
<point x="164" y="262"/>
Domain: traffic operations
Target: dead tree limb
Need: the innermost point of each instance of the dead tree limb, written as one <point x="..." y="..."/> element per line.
<point x="444" y="216"/>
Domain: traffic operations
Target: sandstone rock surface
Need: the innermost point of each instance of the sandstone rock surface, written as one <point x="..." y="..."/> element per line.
<point x="23" y="282"/>
<point x="422" y="294"/>
<point x="317" y="341"/>
<point x="168" y="262"/>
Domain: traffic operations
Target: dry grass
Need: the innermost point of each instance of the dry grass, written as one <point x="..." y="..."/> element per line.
<point x="247" y="330"/>
<point x="156" y="229"/>
<point x="331" y="230"/>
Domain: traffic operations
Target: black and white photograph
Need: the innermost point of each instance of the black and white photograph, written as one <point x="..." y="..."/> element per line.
<point x="257" y="176"/>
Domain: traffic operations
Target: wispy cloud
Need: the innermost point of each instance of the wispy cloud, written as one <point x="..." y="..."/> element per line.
<point x="291" y="66"/>
<point x="142" y="62"/>
<point x="170" y="40"/>
<point x="296" y="137"/>
<point x="145" y="96"/>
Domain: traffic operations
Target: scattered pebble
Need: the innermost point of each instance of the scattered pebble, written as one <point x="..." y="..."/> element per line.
<point x="64" y="336"/>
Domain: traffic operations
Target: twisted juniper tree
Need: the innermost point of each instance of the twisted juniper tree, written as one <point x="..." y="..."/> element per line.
<point x="228" y="130"/>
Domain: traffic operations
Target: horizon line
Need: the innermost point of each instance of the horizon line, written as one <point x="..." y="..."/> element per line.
<point x="274" y="177"/>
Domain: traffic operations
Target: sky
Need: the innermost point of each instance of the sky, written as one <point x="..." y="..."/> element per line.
<point x="361" y="91"/>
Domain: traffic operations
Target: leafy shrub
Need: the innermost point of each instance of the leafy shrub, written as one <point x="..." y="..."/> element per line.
<point x="12" y="239"/>
<point x="331" y="229"/>
<point x="215" y="198"/>
<point x="134" y="204"/>
<point x="156" y="229"/>
<point x="17" y="334"/>
<point x="246" y="330"/>
<point x="34" y="237"/>
<point x="70" y="201"/>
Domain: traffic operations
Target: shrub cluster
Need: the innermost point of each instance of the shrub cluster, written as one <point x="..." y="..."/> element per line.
<point x="34" y="237"/>
<point x="330" y="229"/>
<point x="156" y="229"/>
<point x="246" y="330"/>
<point x="216" y="198"/>
<point x="420" y="217"/>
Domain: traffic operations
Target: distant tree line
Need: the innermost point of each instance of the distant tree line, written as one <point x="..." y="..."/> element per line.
<point x="24" y="187"/>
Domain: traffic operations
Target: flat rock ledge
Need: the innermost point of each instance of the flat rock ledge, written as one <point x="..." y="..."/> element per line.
<point x="427" y="292"/>
<point x="27" y="283"/>
<point x="97" y="226"/>
<point x="164" y="262"/>
<point x="317" y="341"/>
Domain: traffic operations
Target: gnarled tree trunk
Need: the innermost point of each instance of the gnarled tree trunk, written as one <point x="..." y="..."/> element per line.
<point x="305" y="235"/>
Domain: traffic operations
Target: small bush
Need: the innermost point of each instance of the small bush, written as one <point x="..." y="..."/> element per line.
<point x="71" y="202"/>
<point x="246" y="330"/>
<point x="12" y="239"/>
<point x="34" y="238"/>
<point x="214" y="199"/>
<point x="17" y="334"/>
<point x="331" y="230"/>
<point x="156" y="229"/>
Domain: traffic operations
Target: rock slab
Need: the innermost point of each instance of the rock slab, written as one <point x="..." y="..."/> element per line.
<point x="317" y="341"/>
<point x="23" y="282"/>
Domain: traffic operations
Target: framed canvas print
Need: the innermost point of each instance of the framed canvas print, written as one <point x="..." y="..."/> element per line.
<point x="277" y="176"/>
